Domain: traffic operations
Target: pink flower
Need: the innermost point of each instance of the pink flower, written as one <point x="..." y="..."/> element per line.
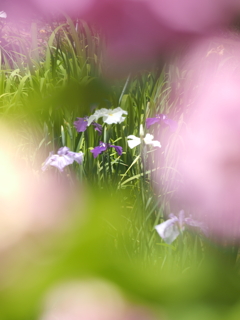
<point x="194" y="16"/>
<point x="70" y="6"/>
<point x="137" y="31"/>
<point x="210" y="154"/>
<point x="31" y="202"/>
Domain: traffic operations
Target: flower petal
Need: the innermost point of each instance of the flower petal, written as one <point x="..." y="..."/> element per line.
<point x="134" y="142"/>
<point x="97" y="127"/>
<point x="48" y="161"/>
<point x="81" y="124"/>
<point x="156" y="143"/>
<point x="117" y="148"/>
<point x="97" y="150"/>
<point x="57" y="161"/>
<point x="97" y="114"/>
<point x="149" y="140"/>
<point x="76" y="156"/>
<point x="193" y="223"/>
<point x="91" y="119"/>
<point x="63" y="151"/>
<point x="168" y="230"/>
<point x="171" y="123"/>
<point x="114" y="116"/>
<point x="151" y="121"/>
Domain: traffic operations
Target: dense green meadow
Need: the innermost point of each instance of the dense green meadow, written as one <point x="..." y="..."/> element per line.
<point x="108" y="230"/>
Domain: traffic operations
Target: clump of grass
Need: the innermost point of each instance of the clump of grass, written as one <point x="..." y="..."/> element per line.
<point x="47" y="88"/>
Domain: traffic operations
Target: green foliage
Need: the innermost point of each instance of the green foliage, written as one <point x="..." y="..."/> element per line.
<point x="42" y="96"/>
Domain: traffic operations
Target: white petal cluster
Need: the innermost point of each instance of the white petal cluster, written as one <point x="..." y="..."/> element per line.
<point x="135" y="141"/>
<point x="109" y="116"/>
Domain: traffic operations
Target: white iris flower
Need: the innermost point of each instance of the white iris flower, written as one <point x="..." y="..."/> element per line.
<point x="170" y="229"/>
<point x="135" y="141"/>
<point x="109" y="116"/>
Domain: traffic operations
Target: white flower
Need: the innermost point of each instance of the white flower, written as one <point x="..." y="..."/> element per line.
<point x="114" y="116"/>
<point x="109" y="116"/>
<point x="97" y="114"/>
<point x="3" y="14"/>
<point x="170" y="229"/>
<point x="149" y="140"/>
<point x="135" y="141"/>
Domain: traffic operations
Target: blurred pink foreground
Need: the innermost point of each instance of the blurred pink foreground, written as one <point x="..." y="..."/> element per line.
<point x="139" y="31"/>
<point x="210" y="157"/>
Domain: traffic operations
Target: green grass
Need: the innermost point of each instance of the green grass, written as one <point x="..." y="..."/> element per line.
<point x="43" y="97"/>
<point x="42" y="91"/>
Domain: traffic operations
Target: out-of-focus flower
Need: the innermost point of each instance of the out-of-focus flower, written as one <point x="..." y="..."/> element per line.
<point x="193" y="16"/>
<point x="31" y="203"/>
<point x="170" y="229"/>
<point x="149" y="140"/>
<point x="91" y="300"/>
<point x="64" y="158"/>
<point x="109" y="116"/>
<point x="81" y="125"/>
<point x="209" y="158"/>
<point x="103" y="147"/>
<point x="3" y="14"/>
<point x="71" y="6"/>
<point x="161" y="118"/>
<point x="160" y="25"/>
<point x="135" y="141"/>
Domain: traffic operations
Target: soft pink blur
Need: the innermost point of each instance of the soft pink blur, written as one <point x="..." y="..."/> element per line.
<point x="138" y="31"/>
<point x="194" y="16"/>
<point x="210" y="156"/>
<point x="69" y="7"/>
<point x="31" y="202"/>
<point x="91" y="300"/>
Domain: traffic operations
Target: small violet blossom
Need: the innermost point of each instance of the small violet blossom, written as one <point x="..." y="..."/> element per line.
<point x="81" y="125"/>
<point x="103" y="147"/>
<point x="161" y="118"/>
<point x="109" y="116"/>
<point x="64" y="158"/>
<point x="170" y="229"/>
<point x="135" y="141"/>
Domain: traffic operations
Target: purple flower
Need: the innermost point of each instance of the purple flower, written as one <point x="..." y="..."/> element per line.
<point x="64" y="158"/>
<point x="103" y="147"/>
<point x="97" y="127"/>
<point x="170" y="229"/>
<point x="81" y="125"/>
<point x="161" y="118"/>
